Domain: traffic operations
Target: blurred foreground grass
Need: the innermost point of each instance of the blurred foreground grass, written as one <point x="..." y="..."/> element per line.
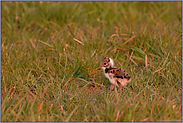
<point x="50" y="52"/>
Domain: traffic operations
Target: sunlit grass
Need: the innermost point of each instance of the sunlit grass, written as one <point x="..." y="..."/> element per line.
<point x="50" y="52"/>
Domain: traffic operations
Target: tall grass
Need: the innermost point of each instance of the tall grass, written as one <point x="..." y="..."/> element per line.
<point x="50" y="52"/>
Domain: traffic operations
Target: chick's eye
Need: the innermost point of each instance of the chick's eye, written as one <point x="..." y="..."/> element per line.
<point x="104" y="63"/>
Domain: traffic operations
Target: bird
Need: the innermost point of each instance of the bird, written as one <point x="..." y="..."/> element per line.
<point x="117" y="76"/>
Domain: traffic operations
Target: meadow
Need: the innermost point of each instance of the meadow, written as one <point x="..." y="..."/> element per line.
<point x="50" y="52"/>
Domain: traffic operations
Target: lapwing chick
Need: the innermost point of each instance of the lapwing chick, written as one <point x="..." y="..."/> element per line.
<point x="117" y="76"/>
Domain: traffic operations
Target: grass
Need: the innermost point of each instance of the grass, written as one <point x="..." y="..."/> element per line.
<point x="50" y="52"/>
